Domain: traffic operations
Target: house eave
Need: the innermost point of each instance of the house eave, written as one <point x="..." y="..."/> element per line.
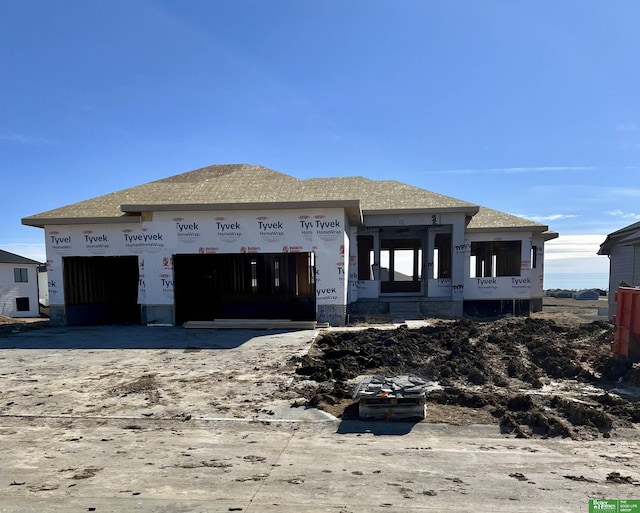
<point x="351" y="207"/>
<point x="537" y="231"/>
<point x="41" y="222"/>
<point x="469" y="211"/>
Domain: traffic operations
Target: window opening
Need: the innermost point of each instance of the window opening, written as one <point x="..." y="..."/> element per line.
<point x="442" y="256"/>
<point x="312" y="269"/>
<point x="254" y="275"/>
<point x="22" y="304"/>
<point x="365" y="257"/>
<point x="495" y="258"/>
<point x="276" y="275"/>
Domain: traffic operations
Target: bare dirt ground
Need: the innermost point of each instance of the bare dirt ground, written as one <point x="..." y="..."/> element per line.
<point x="548" y="375"/>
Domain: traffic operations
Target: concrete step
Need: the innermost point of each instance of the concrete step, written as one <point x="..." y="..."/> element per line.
<point x="406" y="310"/>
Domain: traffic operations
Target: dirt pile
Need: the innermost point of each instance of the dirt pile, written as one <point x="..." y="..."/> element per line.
<point x="533" y="376"/>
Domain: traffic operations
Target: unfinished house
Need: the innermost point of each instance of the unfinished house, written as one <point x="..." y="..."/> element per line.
<point x="623" y="249"/>
<point x="247" y="242"/>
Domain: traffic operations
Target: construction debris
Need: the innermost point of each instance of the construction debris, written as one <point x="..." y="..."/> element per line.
<point x="393" y="398"/>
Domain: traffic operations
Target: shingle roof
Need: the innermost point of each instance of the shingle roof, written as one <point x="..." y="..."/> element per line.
<point x="488" y="218"/>
<point x="243" y="184"/>
<point x="624" y="236"/>
<point x="383" y="195"/>
<point x="12" y="258"/>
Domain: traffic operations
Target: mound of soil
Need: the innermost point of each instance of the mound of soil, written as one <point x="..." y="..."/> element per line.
<point x="534" y="376"/>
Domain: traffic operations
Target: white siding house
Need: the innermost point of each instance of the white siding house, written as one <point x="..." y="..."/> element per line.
<point x="623" y="249"/>
<point x="18" y="286"/>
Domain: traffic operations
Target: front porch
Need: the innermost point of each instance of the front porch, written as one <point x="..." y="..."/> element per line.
<point x="403" y="309"/>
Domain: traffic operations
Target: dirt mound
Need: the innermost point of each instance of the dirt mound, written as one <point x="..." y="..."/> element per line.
<point x="529" y="373"/>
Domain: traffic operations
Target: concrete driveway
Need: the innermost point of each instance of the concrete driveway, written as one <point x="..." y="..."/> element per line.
<point x="165" y="419"/>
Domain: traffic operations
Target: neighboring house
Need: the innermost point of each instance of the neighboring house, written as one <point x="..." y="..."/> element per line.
<point x="241" y="241"/>
<point x="560" y="293"/>
<point x="18" y="285"/>
<point x="587" y="295"/>
<point x="623" y="249"/>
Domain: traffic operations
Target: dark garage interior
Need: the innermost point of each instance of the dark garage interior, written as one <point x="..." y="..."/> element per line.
<point x="244" y="286"/>
<point x="101" y="289"/>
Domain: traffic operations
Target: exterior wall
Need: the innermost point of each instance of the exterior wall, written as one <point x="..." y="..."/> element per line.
<point x="43" y="286"/>
<point x="424" y="226"/>
<point x="157" y="314"/>
<point x="624" y="265"/>
<point x="10" y="290"/>
<point x="445" y="296"/>
<point x="537" y="272"/>
<point x="332" y="271"/>
<point x="460" y="261"/>
<point x="502" y="287"/>
<point x="636" y="264"/>
<point x="323" y="232"/>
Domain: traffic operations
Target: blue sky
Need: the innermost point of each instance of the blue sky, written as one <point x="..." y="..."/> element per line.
<point x="526" y="107"/>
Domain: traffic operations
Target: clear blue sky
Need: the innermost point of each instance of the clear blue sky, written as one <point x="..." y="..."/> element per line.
<point x="526" y="107"/>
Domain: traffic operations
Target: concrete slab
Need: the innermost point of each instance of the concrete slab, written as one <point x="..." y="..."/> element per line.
<point x="198" y="466"/>
<point x="205" y="424"/>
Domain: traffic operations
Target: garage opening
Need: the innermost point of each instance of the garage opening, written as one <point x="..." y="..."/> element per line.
<point x="101" y="290"/>
<point x="245" y="286"/>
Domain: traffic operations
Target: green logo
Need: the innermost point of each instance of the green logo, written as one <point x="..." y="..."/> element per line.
<point x="614" y="506"/>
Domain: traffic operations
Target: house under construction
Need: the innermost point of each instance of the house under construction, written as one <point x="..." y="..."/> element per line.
<point x="247" y="242"/>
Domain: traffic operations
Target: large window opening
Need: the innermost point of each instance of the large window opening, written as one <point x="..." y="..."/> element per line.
<point x="495" y="258"/>
<point x="400" y="265"/>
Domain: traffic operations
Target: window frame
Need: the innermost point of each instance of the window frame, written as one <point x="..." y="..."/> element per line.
<point x="21" y="275"/>
<point x="496" y="259"/>
<point x="21" y="302"/>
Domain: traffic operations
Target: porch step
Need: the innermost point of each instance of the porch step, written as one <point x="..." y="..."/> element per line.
<point x="255" y="324"/>
<point x="405" y="311"/>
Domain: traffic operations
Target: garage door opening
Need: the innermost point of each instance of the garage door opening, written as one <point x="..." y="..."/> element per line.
<point x="101" y="290"/>
<point x="245" y="286"/>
